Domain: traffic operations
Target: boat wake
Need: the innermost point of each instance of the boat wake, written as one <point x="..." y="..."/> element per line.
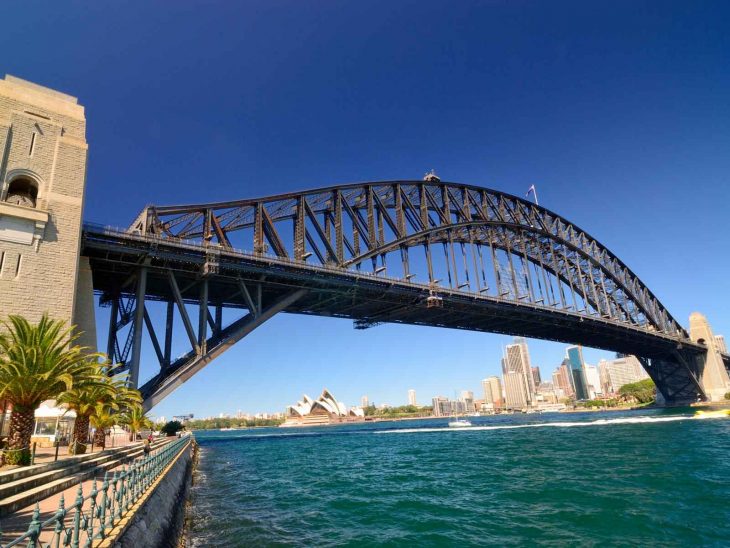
<point x="561" y="424"/>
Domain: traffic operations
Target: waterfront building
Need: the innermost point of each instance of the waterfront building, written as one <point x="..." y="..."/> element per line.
<point x="324" y="410"/>
<point x="546" y="394"/>
<point x="412" y="397"/>
<point x="515" y="391"/>
<point x="492" y="387"/>
<point x="618" y="372"/>
<point x="517" y="360"/>
<point x="443" y="407"/>
<point x="467" y="397"/>
<point x="577" y="371"/>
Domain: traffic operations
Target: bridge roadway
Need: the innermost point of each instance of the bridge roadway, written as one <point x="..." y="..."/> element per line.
<point x="235" y="279"/>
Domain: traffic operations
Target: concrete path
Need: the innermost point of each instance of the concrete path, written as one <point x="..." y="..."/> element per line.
<point x="17" y="523"/>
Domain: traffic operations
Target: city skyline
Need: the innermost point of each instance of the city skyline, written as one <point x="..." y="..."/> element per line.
<point x="456" y="394"/>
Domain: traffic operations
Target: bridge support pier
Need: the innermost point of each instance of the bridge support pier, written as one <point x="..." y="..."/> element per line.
<point x="713" y="373"/>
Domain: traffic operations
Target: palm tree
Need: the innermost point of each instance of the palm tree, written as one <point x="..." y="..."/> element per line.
<point x="99" y="398"/>
<point x="83" y="400"/>
<point x="37" y="363"/>
<point x="102" y="419"/>
<point x="136" y="420"/>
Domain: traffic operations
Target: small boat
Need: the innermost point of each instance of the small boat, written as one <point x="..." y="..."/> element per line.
<point x="459" y="423"/>
<point x="713" y="414"/>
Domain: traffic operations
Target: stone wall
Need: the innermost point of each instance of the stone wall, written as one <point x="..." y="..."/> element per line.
<point x="42" y="139"/>
<point x="159" y="522"/>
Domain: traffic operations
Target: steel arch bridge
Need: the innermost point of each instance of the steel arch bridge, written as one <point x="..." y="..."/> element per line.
<point x="416" y="252"/>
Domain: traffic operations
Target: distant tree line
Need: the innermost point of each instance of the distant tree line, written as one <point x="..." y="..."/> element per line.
<point x="398" y="412"/>
<point x="217" y="423"/>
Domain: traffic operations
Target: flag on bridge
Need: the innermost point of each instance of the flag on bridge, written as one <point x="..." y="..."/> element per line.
<point x="534" y="193"/>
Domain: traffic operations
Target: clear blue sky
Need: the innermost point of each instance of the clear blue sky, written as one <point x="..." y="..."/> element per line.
<point x="618" y="112"/>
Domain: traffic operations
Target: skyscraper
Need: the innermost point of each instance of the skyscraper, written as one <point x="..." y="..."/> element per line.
<point x="412" y="397"/>
<point x="492" y="391"/>
<point x="576" y="366"/>
<point x="517" y="360"/>
<point x="364" y="402"/>
<point x="593" y="381"/>
<point x="562" y="379"/>
<point x="515" y="391"/>
<point x="536" y="377"/>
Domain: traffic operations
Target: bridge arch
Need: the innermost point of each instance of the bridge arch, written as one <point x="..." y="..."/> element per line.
<point x="371" y="252"/>
<point x="346" y="225"/>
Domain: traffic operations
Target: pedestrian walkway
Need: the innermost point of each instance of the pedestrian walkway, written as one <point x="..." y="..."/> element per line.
<point x="18" y="522"/>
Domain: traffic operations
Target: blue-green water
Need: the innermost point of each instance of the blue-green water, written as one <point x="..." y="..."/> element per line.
<point x="635" y="478"/>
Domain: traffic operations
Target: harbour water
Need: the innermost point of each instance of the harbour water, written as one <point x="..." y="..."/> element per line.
<point x="658" y="477"/>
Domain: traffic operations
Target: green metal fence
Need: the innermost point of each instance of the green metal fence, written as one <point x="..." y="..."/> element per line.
<point x="90" y="518"/>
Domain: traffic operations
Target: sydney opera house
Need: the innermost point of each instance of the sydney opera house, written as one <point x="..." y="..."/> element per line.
<point x="324" y="410"/>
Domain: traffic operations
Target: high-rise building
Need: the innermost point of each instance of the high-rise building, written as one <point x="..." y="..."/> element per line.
<point x="536" y="377"/>
<point x="616" y="373"/>
<point x="517" y="360"/>
<point x="562" y="379"/>
<point x="364" y="402"/>
<point x="492" y="391"/>
<point x="515" y="390"/>
<point x="577" y="371"/>
<point x="412" y="397"/>
<point x="467" y="397"/>
<point x="593" y="381"/>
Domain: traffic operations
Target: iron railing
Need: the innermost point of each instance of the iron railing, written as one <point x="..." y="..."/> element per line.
<point x="90" y="518"/>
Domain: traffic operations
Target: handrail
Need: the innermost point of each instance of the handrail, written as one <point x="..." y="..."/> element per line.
<point x="118" y="494"/>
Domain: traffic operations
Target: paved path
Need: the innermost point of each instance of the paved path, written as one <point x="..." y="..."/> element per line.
<point x="17" y="523"/>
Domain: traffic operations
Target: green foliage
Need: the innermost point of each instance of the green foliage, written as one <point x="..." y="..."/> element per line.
<point x="40" y="361"/>
<point x="398" y="412"/>
<point x="136" y="420"/>
<point x="599" y="403"/>
<point x="727" y="396"/>
<point x="19" y="457"/>
<point x="171" y="428"/>
<point x="640" y="392"/>
<point x="217" y="423"/>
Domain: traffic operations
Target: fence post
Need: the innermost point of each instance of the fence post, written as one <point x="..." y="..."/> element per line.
<point x="60" y="515"/>
<point x="104" y="504"/>
<point x="32" y="455"/>
<point x="76" y="533"/>
<point x="57" y="444"/>
<point x="34" y="529"/>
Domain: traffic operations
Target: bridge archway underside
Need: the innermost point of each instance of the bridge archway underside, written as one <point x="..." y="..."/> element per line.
<point x="376" y="252"/>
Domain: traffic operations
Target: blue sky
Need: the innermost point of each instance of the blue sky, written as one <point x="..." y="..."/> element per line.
<point x="617" y="111"/>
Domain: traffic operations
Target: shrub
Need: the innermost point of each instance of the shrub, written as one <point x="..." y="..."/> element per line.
<point x="171" y="428"/>
<point x="17" y="456"/>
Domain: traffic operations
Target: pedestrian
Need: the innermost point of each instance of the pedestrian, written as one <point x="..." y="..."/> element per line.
<point x="146" y="447"/>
